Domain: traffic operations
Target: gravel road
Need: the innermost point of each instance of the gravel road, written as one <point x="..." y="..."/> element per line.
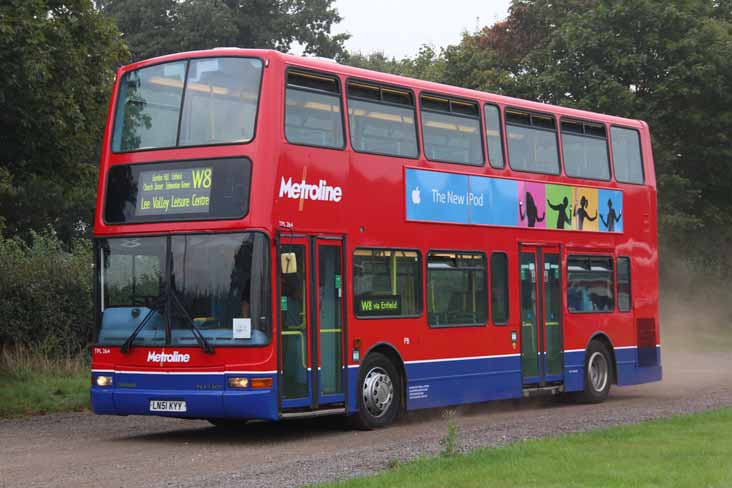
<point x="85" y="450"/>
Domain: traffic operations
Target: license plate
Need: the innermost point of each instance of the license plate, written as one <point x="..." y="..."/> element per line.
<point x="167" y="406"/>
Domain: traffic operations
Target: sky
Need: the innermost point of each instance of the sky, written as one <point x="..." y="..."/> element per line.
<point x="399" y="27"/>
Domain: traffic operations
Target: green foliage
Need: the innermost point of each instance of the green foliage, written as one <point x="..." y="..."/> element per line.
<point x="683" y="451"/>
<point x="34" y="383"/>
<point x="428" y="64"/>
<point x="449" y="443"/>
<point x="58" y="61"/>
<point x="157" y="27"/>
<point x="46" y="294"/>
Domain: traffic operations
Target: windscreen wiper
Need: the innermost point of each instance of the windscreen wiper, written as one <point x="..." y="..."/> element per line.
<point x="205" y="345"/>
<point x="153" y="308"/>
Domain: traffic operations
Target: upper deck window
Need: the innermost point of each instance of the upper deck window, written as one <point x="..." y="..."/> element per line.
<point x="187" y="103"/>
<point x="451" y="130"/>
<point x="313" y="110"/>
<point x="585" y="150"/>
<point x="627" y="155"/>
<point x="493" y="136"/>
<point x="382" y="120"/>
<point x="532" y="142"/>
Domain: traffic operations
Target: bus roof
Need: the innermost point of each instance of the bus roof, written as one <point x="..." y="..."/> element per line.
<point x="324" y="64"/>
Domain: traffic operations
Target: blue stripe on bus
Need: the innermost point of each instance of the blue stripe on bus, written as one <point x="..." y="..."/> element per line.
<point x="430" y="384"/>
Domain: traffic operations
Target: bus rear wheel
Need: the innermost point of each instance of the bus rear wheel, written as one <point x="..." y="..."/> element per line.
<point x="598" y="373"/>
<point x="379" y="393"/>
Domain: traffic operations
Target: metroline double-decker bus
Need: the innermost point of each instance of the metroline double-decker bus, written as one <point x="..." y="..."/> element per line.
<point x="279" y="236"/>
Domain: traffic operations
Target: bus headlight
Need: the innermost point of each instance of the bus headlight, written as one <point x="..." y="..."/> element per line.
<point x="103" y="381"/>
<point x="238" y="382"/>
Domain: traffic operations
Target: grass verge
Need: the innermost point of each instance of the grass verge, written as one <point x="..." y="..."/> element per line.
<point x="691" y="450"/>
<point x="32" y="384"/>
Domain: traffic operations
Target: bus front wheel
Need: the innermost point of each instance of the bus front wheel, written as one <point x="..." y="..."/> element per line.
<point x="598" y="373"/>
<point x="379" y="393"/>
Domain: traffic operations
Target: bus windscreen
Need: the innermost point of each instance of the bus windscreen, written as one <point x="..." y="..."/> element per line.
<point x="184" y="190"/>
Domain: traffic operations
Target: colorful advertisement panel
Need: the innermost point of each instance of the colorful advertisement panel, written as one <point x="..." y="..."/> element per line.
<point x="434" y="196"/>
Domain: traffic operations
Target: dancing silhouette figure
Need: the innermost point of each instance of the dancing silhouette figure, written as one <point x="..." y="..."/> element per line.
<point x="532" y="212"/>
<point x="581" y="213"/>
<point x="611" y="217"/>
<point x="562" y="212"/>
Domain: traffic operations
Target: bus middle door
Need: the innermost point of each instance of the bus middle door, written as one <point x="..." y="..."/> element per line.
<point x="541" y="315"/>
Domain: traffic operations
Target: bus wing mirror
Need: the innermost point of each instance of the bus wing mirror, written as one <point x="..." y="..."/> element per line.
<point x="288" y="263"/>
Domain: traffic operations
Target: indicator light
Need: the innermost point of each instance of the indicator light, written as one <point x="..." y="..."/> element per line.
<point x="261" y="383"/>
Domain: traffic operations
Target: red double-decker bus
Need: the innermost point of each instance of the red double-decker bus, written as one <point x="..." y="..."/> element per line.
<point x="279" y="236"/>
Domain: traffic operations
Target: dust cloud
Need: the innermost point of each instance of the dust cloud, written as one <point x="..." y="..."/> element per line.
<point x="695" y="310"/>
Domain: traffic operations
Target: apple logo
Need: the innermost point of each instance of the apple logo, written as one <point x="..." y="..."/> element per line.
<point x="415" y="196"/>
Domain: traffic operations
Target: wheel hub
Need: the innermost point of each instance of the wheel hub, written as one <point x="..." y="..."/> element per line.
<point x="598" y="371"/>
<point x="378" y="391"/>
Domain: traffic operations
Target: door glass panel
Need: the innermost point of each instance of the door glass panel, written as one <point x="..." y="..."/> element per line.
<point x="294" y="328"/>
<point x="552" y="317"/>
<point x="330" y="297"/>
<point x="529" y="346"/>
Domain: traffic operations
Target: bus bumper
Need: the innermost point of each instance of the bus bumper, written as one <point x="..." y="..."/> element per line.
<point x="201" y="404"/>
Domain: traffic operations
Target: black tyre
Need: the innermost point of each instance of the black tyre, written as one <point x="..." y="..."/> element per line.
<point x="379" y="393"/>
<point x="598" y="373"/>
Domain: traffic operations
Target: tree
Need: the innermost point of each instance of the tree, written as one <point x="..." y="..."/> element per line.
<point x="663" y="62"/>
<point x="428" y="64"/>
<point x="58" y="61"/>
<point x="156" y="27"/>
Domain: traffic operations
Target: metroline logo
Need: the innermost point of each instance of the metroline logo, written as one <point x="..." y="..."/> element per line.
<point x="160" y="357"/>
<point x="305" y="191"/>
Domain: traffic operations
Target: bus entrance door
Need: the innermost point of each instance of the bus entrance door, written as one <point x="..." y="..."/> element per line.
<point x="541" y="315"/>
<point x="311" y="322"/>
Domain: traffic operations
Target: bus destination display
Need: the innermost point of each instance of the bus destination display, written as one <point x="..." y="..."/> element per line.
<point x="175" y="191"/>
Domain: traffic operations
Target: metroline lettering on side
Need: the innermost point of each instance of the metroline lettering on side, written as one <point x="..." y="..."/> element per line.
<point x="175" y="357"/>
<point x="306" y="191"/>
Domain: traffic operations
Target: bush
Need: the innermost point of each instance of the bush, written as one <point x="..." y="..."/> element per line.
<point x="46" y="294"/>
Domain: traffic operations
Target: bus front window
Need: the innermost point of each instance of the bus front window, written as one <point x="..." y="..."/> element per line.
<point x="215" y="285"/>
<point x="132" y="283"/>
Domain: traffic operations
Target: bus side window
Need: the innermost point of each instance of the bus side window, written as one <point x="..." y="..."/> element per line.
<point x="590" y="284"/>
<point x="493" y="136"/>
<point x="585" y="150"/>
<point x="451" y="130"/>
<point x="456" y="289"/>
<point x="627" y="158"/>
<point x="387" y="283"/>
<point x="624" y="288"/>
<point x="532" y="142"/>
<point x="381" y="120"/>
<point x="499" y="288"/>
<point x="313" y="115"/>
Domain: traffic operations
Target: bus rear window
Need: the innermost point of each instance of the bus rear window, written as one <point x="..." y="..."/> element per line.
<point x="185" y="190"/>
<point x="197" y="102"/>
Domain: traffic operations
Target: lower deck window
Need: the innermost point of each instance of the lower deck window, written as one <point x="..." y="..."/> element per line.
<point x="387" y="283"/>
<point x="456" y="289"/>
<point x="590" y="284"/>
